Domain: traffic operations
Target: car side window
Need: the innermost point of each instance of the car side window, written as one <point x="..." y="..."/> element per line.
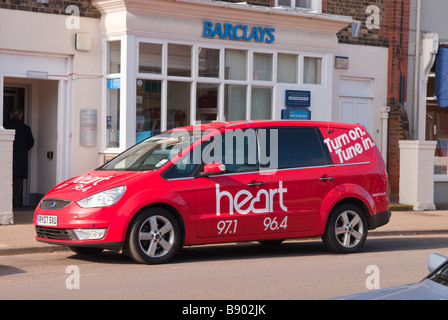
<point x="236" y="149"/>
<point x="183" y="168"/>
<point x="298" y="147"/>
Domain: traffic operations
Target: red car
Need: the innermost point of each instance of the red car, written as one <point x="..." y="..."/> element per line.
<point x="224" y="182"/>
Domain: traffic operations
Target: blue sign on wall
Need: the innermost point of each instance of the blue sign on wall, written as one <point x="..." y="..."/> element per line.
<point x="113" y="84"/>
<point x="297" y="98"/>
<point x="239" y="32"/>
<point x="296" y="114"/>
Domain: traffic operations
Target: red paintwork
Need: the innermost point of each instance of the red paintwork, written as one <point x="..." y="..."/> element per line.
<point x="308" y="200"/>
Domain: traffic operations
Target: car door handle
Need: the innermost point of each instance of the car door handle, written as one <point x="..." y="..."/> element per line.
<point x="326" y="178"/>
<point x="255" y="184"/>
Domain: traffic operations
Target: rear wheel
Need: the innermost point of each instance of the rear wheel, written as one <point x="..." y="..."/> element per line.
<point x="346" y="229"/>
<point x="153" y="237"/>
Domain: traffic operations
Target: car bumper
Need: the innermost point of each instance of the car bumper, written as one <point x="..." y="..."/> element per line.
<point x="379" y="219"/>
<point x="104" y="224"/>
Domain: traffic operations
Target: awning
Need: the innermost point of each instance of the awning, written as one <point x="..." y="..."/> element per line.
<point x="441" y="81"/>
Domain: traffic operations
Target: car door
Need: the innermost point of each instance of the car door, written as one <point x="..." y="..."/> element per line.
<point x="232" y="203"/>
<point x="300" y="181"/>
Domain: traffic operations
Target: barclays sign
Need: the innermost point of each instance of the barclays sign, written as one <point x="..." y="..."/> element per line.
<point x="238" y="32"/>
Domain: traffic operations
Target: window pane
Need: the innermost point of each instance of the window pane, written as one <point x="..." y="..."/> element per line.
<point x="235" y="103"/>
<point x="285" y="3"/>
<point x="312" y="70"/>
<point x="208" y="62"/>
<point x="178" y="104"/>
<point x="236" y="64"/>
<point x="304" y="4"/>
<point x="114" y="57"/>
<point x="179" y="60"/>
<point x="299" y="147"/>
<point x="206" y="102"/>
<point x="287" y="68"/>
<point x="150" y="58"/>
<point x="148" y="108"/>
<point x="262" y="67"/>
<point x="113" y="116"/>
<point x="261" y="105"/>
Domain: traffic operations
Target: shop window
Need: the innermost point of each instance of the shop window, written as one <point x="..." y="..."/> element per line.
<point x="114" y="57"/>
<point x="262" y="66"/>
<point x="148" y="115"/>
<point x="208" y="62"/>
<point x="236" y="64"/>
<point x="437" y="130"/>
<point x="178" y="104"/>
<point x="261" y="104"/>
<point x="315" y="5"/>
<point x="113" y="113"/>
<point x="179" y="60"/>
<point x="150" y="58"/>
<point x="287" y="70"/>
<point x="235" y="102"/>
<point x="312" y="70"/>
<point x="206" y="102"/>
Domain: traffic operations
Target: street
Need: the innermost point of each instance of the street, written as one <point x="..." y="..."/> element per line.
<point x="299" y="269"/>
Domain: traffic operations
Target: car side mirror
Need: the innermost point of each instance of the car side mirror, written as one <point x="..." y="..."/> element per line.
<point x="211" y="169"/>
<point x="435" y="261"/>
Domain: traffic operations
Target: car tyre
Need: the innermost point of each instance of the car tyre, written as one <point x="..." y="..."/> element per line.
<point x="153" y="237"/>
<point x="346" y="229"/>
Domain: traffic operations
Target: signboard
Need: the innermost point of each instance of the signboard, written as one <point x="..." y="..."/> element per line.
<point x="113" y="84"/>
<point x="297" y="98"/>
<point x="238" y="32"/>
<point x="296" y="114"/>
<point x="88" y="128"/>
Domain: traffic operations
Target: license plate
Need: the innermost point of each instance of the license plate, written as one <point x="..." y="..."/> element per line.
<point x="47" y="220"/>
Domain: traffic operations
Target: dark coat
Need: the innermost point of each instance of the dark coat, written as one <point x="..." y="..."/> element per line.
<point x="23" y="142"/>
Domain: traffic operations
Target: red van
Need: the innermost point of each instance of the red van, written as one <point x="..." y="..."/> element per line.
<point x="260" y="181"/>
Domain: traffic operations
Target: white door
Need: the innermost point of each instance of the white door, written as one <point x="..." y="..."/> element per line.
<point x="356" y="110"/>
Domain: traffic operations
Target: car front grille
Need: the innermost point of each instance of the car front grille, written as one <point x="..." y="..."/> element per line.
<point x="55" y="233"/>
<point x="53" y="204"/>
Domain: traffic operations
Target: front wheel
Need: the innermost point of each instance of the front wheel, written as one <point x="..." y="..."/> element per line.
<point x="346" y="229"/>
<point x="154" y="236"/>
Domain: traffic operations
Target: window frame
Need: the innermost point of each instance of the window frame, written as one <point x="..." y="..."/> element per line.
<point x="316" y="5"/>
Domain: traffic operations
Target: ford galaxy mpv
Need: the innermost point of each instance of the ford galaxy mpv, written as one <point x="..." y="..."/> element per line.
<point x="263" y="181"/>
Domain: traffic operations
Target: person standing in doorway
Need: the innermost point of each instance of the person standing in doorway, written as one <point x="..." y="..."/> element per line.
<point x="23" y="142"/>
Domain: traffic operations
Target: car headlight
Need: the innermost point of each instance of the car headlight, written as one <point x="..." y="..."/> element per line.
<point x="104" y="198"/>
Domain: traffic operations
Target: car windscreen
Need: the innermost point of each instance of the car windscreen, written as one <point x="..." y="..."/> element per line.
<point x="152" y="153"/>
<point x="441" y="276"/>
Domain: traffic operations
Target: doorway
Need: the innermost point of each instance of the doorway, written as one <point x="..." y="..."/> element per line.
<point x="355" y="101"/>
<point x="37" y="100"/>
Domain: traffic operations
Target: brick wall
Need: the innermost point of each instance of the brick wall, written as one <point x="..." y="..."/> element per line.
<point x="86" y="8"/>
<point x="357" y="10"/>
<point x="398" y="130"/>
<point x="397" y="13"/>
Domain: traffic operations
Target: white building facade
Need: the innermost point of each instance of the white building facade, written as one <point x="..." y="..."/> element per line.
<point x="90" y="90"/>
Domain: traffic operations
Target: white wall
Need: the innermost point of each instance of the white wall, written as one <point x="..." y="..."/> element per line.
<point x="365" y="63"/>
<point x="43" y="42"/>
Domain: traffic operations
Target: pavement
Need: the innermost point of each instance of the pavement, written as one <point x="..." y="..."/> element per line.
<point x="19" y="238"/>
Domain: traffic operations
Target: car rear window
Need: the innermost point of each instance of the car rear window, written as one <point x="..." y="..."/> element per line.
<point x="348" y="145"/>
<point x="297" y="147"/>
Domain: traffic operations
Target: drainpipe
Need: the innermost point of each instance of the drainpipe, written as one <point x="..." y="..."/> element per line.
<point x="416" y="70"/>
